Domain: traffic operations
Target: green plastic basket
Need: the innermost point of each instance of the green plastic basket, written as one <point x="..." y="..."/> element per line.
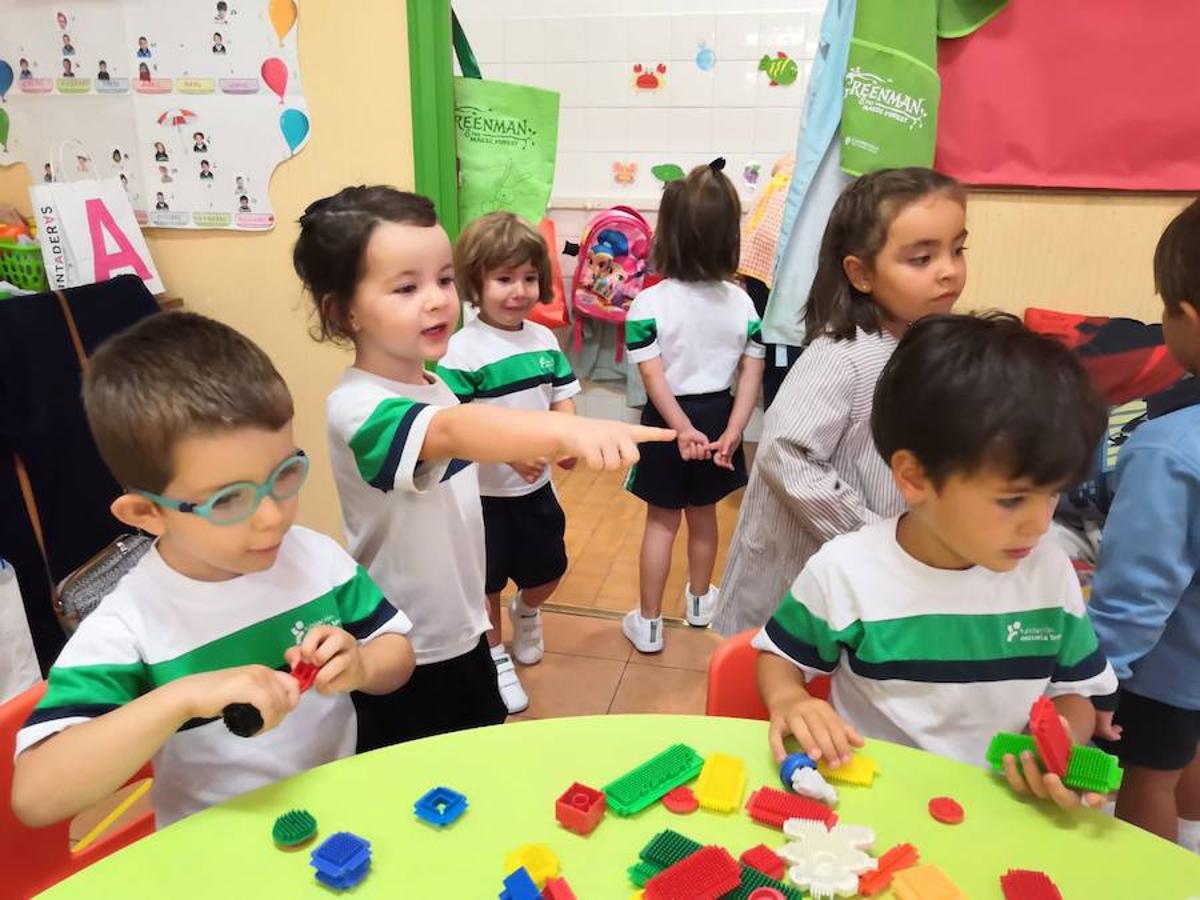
<point x="21" y="264"/>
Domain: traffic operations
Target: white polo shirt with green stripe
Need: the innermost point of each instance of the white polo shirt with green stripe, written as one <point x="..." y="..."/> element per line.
<point x="933" y="658"/>
<point x="416" y="526"/>
<point x="158" y="625"/>
<point x="700" y="329"/>
<point x="523" y="369"/>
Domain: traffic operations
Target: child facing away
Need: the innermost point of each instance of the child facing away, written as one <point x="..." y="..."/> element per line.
<point x="689" y="335"/>
<point x="1146" y="592"/>
<point x="943" y="625"/>
<point x="380" y="271"/>
<point x="502" y="266"/>
<point x="892" y="253"/>
<point x="195" y="422"/>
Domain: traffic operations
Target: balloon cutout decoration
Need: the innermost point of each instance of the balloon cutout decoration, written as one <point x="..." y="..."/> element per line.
<point x="283" y="17"/>
<point x="6" y="78"/>
<point x="4" y="129"/>
<point x="275" y="74"/>
<point x="294" y="125"/>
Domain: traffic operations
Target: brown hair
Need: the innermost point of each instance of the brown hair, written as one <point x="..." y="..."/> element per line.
<point x="330" y="253"/>
<point x="858" y="226"/>
<point x="495" y="241"/>
<point x="964" y="392"/>
<point x="698" y="235"/>
<point x="1177" y="260"/>
<point x="173" y="375"/>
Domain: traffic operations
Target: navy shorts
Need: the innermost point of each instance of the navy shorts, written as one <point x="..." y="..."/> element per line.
<point x="451" y="695"/>
<point x="1155" y="735"/>
<point x="523" y="537"/>
<point x="665" y="479"/>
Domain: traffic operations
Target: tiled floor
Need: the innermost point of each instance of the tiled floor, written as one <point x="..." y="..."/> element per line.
<point x="590" y="669"/>
<point x="604" y="538"/>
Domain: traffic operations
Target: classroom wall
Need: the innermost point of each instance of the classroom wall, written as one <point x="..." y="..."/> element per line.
<point x="1086" y="252"/>
<point x="361" y="133"/>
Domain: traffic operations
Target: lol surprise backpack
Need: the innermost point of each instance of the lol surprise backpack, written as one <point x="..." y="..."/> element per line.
<point x="611" y="269"/>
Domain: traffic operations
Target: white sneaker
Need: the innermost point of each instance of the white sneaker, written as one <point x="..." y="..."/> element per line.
<point x="528" y="645"/>
<point x="700" y="609"/>
<point x="511" y="692"/>
<point x="645" y="634"/>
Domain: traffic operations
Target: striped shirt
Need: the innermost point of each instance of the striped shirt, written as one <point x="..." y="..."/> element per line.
<point x="816" y="475"/>
<point x="416" y="526"/>
<point x="523" y="369"/>
<point x="158" y="625"/>
<point x="937" y="659"/>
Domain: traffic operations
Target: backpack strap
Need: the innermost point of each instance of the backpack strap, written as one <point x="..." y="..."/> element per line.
<point x="31" y="508"/>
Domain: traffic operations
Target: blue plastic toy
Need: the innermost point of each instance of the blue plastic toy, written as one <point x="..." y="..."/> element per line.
<point x="342" y="860"/>
<point x="440" y="806"/>
<point x="791" y="763"/>
<point x="520" y="886"/>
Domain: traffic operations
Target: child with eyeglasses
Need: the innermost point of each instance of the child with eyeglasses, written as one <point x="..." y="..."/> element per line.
<point x="197" y="424"/>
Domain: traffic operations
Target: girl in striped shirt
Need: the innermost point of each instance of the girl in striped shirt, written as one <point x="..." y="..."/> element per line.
<point x="892" y="253"/>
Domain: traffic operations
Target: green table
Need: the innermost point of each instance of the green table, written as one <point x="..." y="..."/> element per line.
<point x="512" y="775"/>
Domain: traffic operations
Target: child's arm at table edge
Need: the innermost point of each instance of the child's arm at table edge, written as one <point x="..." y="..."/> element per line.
<point x="490" y="434"/>
<point x="783" y="688"/>
<point x="69" y="771"/>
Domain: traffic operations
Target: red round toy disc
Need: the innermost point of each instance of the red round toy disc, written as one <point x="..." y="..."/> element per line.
<point x="681" y="800"/>
<point x="946" y="809"/>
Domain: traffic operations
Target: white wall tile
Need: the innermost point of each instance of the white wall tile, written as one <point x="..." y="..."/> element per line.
<point x="532" y="74"/>
<point x="688" y="32"/>
<point x="573" y="128"/>
<point x="775" y="130"/>
<point x="609" y="84"/>
<point x="689" y="130"/>
<point x="574" y="38"/>
<point x="733" y="130"/>
<point x="738" y="37"/>
<point x="647" y="130"/>
<point x="524" y="40"/>
<point x="572" y="81"/>
<point x="649" y="39"/>
<point x="606" y="130"/>
<point x="570" y="174"/>
<point x="735" y="83"/>
<point x="689" y="86"/>
<point x="487" y="40"/>
<point x="784" y="31"/>
<point x="588" y="57"/>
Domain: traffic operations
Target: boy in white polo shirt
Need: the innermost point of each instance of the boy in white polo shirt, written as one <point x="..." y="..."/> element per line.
<point x="945" y="624"/>
<point x="502" y="266"/>
<point x="196" y="423"/>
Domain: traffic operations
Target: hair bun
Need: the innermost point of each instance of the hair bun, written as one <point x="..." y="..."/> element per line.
<point x="717" y="164"/>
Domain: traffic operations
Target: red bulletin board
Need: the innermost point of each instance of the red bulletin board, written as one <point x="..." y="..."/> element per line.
<point x="1075" y="94"/>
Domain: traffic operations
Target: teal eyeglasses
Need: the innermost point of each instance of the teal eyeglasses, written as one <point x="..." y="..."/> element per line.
<point x="236" y="503"/>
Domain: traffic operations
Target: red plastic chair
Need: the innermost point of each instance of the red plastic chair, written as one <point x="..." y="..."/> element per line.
<point x="36" y="858"/>
<point x="733" y="682"/>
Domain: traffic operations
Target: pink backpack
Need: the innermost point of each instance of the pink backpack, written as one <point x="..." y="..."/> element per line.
<point x="613" y="257"/>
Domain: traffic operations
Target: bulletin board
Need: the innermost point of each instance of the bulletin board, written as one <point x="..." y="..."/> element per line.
<point x="190" y="105"/>
<point x="1074" y="94"/>
<point x="650" y="89"/>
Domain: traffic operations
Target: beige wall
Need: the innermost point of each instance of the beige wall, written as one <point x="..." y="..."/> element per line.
<point x="355" y="71"/>
<point x="1078" y="252"/>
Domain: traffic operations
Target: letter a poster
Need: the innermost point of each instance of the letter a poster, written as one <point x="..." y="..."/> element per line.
<point x="190" y="105"/>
